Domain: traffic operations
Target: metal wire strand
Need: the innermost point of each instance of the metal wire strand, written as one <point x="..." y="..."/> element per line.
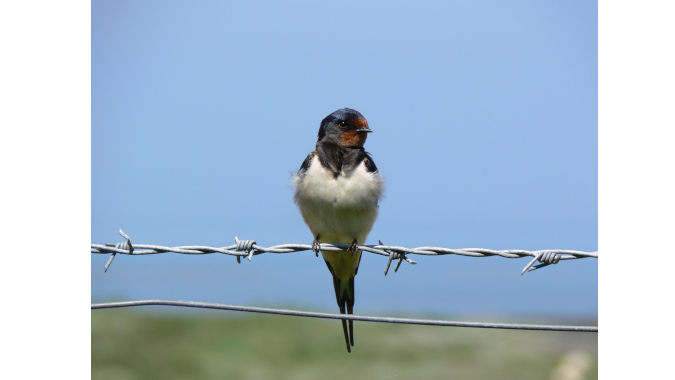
<point x="311" y="314"/>
<point x="249" y="248"/>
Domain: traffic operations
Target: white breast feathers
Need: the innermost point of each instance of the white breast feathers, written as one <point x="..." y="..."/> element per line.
<point x="338" y="209"/>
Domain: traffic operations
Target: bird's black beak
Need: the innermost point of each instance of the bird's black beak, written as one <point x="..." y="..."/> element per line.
<point x="364" y="130"/>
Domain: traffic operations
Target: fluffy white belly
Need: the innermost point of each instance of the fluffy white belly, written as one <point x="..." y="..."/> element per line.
<point x="338" y="209"/>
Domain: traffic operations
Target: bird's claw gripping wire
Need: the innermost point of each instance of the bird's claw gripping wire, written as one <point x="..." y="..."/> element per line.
<point x="124" y="245"/>
<point x="353" y="247"/>
<point x="545" y="257"/>
<point x="316" y="247"/>
<point x="245" y="246"/>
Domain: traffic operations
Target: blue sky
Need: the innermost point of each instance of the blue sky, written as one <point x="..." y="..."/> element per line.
<point x="485" y="119"/>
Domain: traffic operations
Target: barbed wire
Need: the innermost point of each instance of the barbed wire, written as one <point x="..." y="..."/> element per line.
<point x="312" y="314"/>
<point x="249" y="248"/>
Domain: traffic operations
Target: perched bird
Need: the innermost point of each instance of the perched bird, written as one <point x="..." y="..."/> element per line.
<point x="337" y="189"/>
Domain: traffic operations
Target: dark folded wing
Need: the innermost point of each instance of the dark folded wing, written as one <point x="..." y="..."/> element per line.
<point x="370" y="164"/>
<point x="307" y="162"/>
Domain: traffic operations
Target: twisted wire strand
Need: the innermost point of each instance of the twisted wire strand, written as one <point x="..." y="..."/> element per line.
<point x="311" y="314"/>
<point x="249" y="248"/>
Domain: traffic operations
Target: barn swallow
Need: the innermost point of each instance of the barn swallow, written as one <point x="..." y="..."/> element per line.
<point x="337" y="189"/>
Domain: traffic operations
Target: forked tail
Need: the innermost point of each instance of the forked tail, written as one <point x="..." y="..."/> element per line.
<point x="344" y="294"/>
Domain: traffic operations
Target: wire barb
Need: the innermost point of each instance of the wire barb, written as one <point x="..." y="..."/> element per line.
<point x="249" y="248"/>
<point x="395" y="255"/>
<point x="125" y="246"/>
<point x="246" y="246"/>
<point x="545" y="257"/>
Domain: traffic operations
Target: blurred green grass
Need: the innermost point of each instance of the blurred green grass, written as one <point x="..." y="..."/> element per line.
<point x="139" y="345"/>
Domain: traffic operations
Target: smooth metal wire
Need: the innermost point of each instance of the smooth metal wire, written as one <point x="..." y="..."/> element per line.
<point x="311" y="314"/>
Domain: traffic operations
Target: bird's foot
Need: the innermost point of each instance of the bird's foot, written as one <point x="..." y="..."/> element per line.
<point x="316" y="247"/>
<point x="353" y="247"/>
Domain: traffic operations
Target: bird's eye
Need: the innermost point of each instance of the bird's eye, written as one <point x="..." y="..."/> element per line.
<point x="343" y="123"/>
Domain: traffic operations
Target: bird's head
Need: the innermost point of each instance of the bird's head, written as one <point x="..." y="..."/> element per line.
<point x="345" y="127"/>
